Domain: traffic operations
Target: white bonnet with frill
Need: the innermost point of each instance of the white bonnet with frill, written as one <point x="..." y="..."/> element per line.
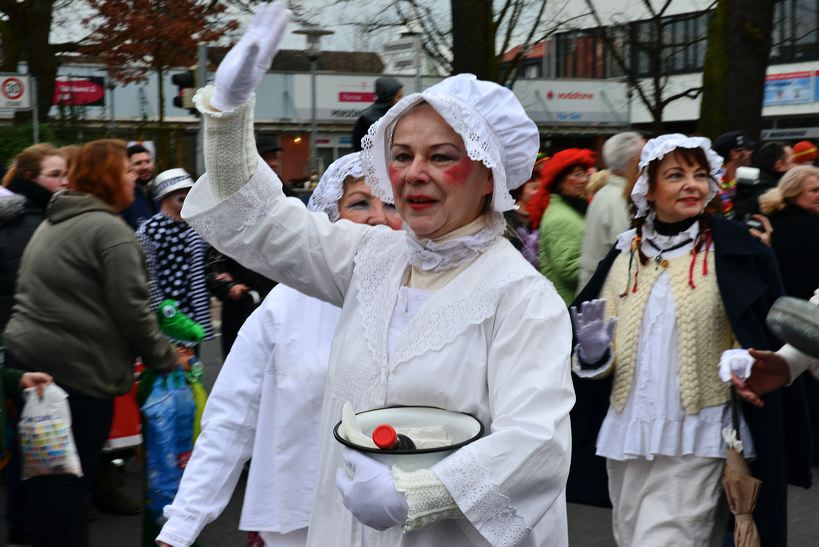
<point x="330" y="187"/>
<point x="656" y="149"/>
<point x="488" y="117"/>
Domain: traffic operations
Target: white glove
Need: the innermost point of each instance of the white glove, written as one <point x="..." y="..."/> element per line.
<point x="243" y="67"/>
<point x="815" y="298"/>
<point x="735" y="361"/>
<point x="593" y="333"/>
<point x="370" y="494"/>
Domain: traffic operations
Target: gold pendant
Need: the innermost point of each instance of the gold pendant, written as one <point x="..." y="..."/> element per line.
<point x="664" y="263"/>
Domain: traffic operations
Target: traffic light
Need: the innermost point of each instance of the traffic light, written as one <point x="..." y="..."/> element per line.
<point x="185" y="83"/>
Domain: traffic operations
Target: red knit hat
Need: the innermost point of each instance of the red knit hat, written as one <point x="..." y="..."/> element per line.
<point x="804" y="152"/>
<point x="553" y="167"/>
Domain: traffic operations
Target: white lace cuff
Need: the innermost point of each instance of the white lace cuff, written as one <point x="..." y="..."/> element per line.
<point x="594" y="374"/>
<point x="230" y="147"/>
<point x="428" y="499"/>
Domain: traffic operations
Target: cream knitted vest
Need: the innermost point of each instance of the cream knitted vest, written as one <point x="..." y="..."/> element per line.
<point x="703" y="329"/>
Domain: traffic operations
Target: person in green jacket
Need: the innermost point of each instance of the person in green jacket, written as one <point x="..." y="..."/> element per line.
<point x="558" y="211"/>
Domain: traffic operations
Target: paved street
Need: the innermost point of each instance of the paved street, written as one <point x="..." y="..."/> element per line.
<point x="588" y="526"/>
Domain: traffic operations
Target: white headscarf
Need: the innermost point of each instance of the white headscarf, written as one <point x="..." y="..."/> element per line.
<point x="656" y="149"/>
<point x="331" y="185"/>
<point x="488" y="117"/>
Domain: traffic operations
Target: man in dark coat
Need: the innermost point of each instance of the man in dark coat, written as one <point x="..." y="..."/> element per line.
<point x="388" y="91"/>
<point x="143" y="206"/>
<point x="240" y="290"/>
<point x="773" y="159"/>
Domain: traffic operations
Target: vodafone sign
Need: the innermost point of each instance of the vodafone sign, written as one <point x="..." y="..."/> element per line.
<point x="79" y="91"/>
<point x="574" y="101"/>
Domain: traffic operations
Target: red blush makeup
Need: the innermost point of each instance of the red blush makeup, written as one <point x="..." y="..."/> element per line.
<point x="458" y="173"/>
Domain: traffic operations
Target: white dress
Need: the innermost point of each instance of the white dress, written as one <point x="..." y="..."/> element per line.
<point x="494" y="342"/>
<point x="265" y="405"/>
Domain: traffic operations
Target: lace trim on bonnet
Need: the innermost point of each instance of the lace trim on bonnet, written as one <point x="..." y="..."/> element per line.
<point x="657" y="149"/>
<point x="482" y="144"/>
<point x="330" y="188"/>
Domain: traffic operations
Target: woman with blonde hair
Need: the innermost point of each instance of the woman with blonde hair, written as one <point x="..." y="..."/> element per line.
<point x="793" y="207"/>
<point x="81" y="314"/>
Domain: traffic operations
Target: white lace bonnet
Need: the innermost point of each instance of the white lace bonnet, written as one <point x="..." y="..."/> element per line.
<point x="488" y="117"/>
<point x="330" y="187"/>
<point x="657" y="148"/>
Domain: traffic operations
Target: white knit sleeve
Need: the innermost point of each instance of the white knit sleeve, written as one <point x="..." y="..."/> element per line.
<point x="230" y="147"/>
<point x="428" y="499"/>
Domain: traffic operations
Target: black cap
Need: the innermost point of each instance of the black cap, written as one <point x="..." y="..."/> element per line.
<point x="731" y="140"/>
<point x="266" y="144"/>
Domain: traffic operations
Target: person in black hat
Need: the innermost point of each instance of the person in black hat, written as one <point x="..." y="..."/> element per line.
<point x="268" y="149"/>
<point x="736" y="149"/>
<point x="388" y="91"/>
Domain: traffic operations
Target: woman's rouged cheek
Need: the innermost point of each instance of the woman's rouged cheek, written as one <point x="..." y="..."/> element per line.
<point x="394" y="173"/>
<point x="459" y="172"/>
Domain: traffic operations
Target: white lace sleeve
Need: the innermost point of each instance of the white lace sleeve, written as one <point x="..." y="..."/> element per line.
<point x="230" y="148"/>
<point x="798" y="362"/>
<point x="427" y="498"/>
<point x="506" y="482"/>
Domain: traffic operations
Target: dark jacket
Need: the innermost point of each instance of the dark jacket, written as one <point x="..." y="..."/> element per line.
<point x="81" y="310"/>
<point x="9" y="387"/>
<point x="795" y="240"/>
<point x="749" y="283"/>
<point x="385" y="90"/>
<point x="141" y="209"/>
<point x="234" y="312"/>
<point x="19" y="217"/>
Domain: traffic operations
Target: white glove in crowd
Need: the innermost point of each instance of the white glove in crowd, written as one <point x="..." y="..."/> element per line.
<point x="243" y="67"/>
<point x="368" y="489"/>
<point x="593" y="332"/>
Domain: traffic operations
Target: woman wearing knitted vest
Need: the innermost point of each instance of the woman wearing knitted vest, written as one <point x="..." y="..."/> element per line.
<point x="445" y="314"/>
<point x="671" y="297"/>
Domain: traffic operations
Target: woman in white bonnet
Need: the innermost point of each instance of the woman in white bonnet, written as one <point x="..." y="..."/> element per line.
<point x="266" y="402"/>
<point x="447" y="314"/>
<point x="656" y="328"/>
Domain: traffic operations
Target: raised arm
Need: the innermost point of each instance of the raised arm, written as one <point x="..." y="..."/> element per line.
<point x="238" y="206"/>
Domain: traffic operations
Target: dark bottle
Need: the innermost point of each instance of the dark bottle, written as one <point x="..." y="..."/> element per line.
<point x="386" y="438"/>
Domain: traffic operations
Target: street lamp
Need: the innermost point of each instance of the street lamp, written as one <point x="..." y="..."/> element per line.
<point x="313" y="34"/>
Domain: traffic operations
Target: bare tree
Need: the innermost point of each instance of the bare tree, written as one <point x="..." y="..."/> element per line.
<point x="469" y="35"/>
<point x="652" y="86"/>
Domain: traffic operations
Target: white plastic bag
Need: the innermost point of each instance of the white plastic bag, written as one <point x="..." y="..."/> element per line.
<point x="46" y="441"/>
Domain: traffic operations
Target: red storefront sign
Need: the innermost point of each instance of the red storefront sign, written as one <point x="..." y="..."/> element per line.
<point x="79" y="91"/>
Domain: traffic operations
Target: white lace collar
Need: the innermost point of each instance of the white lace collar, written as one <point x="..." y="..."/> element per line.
<point x="662" y="241"/>
<point x="456" y="247"/>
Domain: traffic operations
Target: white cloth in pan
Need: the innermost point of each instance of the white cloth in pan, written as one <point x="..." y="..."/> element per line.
<point x="494" y="343"/>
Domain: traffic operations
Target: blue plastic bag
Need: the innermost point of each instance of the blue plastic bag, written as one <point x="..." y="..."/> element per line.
<point x="168" y="422"/>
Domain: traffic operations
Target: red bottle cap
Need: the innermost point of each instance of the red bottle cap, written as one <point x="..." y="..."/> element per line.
<point x="385" y="437"/>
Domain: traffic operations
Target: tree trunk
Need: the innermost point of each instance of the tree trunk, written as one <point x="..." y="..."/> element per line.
<point x="34" y="30"/>
<point x="473" y="39"/>
<point x="739" y="43"/>
<point x="160" y="75"/>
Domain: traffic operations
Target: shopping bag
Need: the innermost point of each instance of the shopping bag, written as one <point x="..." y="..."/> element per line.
<point x="168" y="415"/>
<point x="46" y="441"/>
